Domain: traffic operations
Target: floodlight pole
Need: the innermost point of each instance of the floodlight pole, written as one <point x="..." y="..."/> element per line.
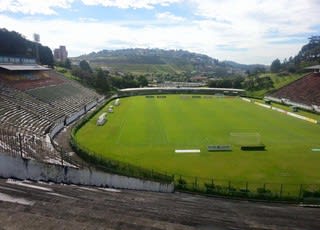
<point x="36" y="38"/>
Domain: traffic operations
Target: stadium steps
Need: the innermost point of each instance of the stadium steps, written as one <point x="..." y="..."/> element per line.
<point x="13" y="113"/>
<point x="305" y="90"/>
<point x="27" y="114"/>
<point x="30" y="103"/>
<point x="68" y="98"/>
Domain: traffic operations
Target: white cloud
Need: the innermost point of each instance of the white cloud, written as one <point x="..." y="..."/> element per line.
<point x="259" y="16"/>
<point x="167" y="16"/>
<point x="255" y="24"/>
<point x="47" y="7"/>
<point x="85" y="36"/>
<point x="136" y="4"/>
<point x="248" y="31"/>
<point x="33" y="6"/>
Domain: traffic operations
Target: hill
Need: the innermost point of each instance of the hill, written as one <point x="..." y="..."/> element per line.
<point x="249" y="68"/>
<point x="144" y="61"/>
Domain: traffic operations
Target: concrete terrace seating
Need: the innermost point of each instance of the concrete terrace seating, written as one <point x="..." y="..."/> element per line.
<point x="306" y="90"/>
<point x="29" y="103"/>
<point x="66" y="97"/>
<point x="30" y="106"/>
<point x="40" y="107"/>
<point x="16" y="115"/>
<point x="18" y="142"/>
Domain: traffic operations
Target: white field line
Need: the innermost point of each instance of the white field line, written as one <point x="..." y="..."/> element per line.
<point x="302" y="117"/>
<point x="245" y="99"/>
<point x="8" y="198"/>
<point x="288" y="113"/>
<point x="163" y="131"/>
<point x="263" y="105"/>
<point x="121" y="130"/>
<point x="123" y="122"/>
<point x="187" y="151"/>
<point x="279" y="110"/>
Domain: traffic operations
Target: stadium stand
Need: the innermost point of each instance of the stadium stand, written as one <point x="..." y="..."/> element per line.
<point x="16" y="141"/>
<point x="29" y="103"/>
<point x="66" y="96"/>
<point x="34" y="106"/>
<point x="303" y="93"/>
<point x="172" y="90"/>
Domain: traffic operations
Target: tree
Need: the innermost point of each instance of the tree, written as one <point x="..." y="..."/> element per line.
<point x="67" y="63"/>
<point x="264" y="83"/>
<point x="45" y="56"/>
<point x="102" y="83"/>
<point x="275" y="66"/>
<point x="84" y="76"/>
<point x="14" y="44"/>
<point x="142" y="81"/>
<point x="84" y="65"/>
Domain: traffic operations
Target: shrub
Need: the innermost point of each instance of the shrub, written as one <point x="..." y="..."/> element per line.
<point x="181" y="183"/>
<point x="263" y="190"/>
<point x="307" y="193"/>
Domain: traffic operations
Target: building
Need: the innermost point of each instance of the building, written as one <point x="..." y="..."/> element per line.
<point x="60" y="54"/>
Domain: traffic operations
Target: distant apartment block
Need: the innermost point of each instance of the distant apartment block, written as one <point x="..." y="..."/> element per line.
<point x="60" y="54"/>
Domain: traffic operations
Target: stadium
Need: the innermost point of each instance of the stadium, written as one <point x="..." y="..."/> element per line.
<point x="209" y="141"/>
<point x="193" y="136"/>
<point x="244" y="143"/>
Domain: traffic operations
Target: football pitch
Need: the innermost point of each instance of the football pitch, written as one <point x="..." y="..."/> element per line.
<point x="147" y="132"/>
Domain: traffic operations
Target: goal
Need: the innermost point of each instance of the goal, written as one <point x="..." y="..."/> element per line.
<point x="245" y="139"/>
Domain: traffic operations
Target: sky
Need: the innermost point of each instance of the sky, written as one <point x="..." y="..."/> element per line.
<point x="245" y="31"/>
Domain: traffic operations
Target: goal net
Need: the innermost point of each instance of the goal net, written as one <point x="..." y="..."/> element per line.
<point x="245" y="138"/>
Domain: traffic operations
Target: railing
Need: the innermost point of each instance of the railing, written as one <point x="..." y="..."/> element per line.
<point x="308" y="193"/>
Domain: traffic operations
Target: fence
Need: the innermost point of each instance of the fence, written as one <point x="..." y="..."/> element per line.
<point x="250" y="190"/>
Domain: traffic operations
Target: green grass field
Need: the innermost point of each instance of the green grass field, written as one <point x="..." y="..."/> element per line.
<point x="146" y="132"/>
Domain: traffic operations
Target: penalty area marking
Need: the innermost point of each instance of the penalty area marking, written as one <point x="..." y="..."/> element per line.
<point x="187" y="151"/>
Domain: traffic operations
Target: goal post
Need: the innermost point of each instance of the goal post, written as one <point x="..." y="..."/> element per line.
<point x="245" y="138"/>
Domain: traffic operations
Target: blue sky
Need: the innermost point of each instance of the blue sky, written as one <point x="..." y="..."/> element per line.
<point x="246" y="31"/>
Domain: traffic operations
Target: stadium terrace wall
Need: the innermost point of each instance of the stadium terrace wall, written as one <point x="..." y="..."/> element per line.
<point x="56" y="129"/>
<point x="75" y="116"/>
<point x="59" y="125"/>
<point x="26" y="169"/>
<point x="90" y="106"/>
<point x="158" y="90"/>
